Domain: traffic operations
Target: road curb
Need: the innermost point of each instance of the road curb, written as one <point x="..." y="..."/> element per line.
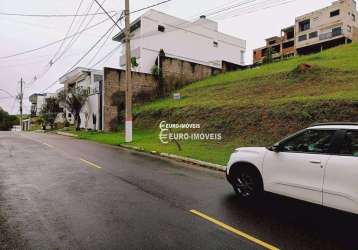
<point x="200" y="163"/>
<point x="66" y="134"/>
<point x="174" y="157"/>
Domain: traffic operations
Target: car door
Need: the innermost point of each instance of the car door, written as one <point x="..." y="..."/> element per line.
<point x="297" y="169"/>
<point x="340" y="189"/>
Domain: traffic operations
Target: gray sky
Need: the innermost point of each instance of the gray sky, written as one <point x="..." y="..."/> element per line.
<point x="23" y="33"/>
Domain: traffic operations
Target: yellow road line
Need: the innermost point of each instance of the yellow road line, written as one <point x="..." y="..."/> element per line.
<point x="48" y="145"/>
<point x="233" y="230"/>
<point x="90" y="163"/>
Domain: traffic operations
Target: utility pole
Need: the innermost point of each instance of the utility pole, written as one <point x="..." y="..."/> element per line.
<point x="21" y="97"/>
<point x="129" y="120"/>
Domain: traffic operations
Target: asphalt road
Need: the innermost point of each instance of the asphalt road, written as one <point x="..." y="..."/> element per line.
<point x="63" y="193"/>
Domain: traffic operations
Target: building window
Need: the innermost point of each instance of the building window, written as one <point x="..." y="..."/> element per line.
<point x="263" y="51"/>
<point x="290" y="34"/>
<point x="97" y="78"/>
<point x="313" y="35"/>
<point x="304" y="25"/>
<point x="272" y="42"/>
<point x="336" y="31"/>
<point x="215" y="44"/>
<point x="349" y="28"/>
<point x="276" y="49"/>
<point x="161" y="28"/>
<point x="353" y="17"/>
<point x="289" y="44"/>
<point x="334" y="13"/>
<point x="302" y="38"/>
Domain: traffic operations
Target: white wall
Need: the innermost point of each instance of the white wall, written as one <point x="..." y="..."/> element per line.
<point x="184" y="40"/>
<point x="92" y="104"/>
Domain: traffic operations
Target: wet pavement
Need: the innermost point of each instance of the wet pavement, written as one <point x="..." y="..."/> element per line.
<point x="64" y="193"/>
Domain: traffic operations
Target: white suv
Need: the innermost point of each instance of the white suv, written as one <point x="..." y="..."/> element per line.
<point x="318" y="164"/>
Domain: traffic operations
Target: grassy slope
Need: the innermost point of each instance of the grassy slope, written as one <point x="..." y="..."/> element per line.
<point x="255" y="107"/>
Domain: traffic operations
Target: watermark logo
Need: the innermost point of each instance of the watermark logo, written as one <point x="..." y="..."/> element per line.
<point x="166" y="134"/>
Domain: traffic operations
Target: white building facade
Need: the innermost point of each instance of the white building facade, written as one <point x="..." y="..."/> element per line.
<point x="37" y="101"/>
<point x="199" y="41"/>
<point x="91" y="80"/>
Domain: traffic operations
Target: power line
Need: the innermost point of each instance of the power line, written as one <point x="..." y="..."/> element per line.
<point x="75" y="38"/>
<point x="79" y="60"/>
<point x="100" y="5"/>
<point x="54" y="15"/>
<point x="7" y="92"/>
<point x="55" y="42"/>
<point x="252" y="8"/>
<point x="185" y="24"/>
<point x="54" y="59"/>
<point x="101" y="47"/>
<point x="151" y="6"/>
<point x="72" y="42"/>
<point x="107" y="56"/>
<point x="68" y="30"/>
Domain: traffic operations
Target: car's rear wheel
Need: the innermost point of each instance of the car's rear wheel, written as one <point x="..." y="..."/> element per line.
<point x="247" y="183"/>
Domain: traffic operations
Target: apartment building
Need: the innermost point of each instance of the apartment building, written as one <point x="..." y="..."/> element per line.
<point x="92" y="81"/>
<point x="313" y="32"/>
<point x="327" y="27"/>
<point x="199" y="41"/>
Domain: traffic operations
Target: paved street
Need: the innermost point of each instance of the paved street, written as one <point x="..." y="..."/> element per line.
<point x="63" y="193"/>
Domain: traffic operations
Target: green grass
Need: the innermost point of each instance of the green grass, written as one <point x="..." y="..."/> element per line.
<point x="252" y="107"/>
<point x="242" y="88"/>
<point x="148" y="140"/>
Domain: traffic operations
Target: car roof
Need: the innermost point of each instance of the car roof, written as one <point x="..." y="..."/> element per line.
<point x="350" y="126"/>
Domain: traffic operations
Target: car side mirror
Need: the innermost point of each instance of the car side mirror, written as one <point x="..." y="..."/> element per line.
<point x="275" y="148"/>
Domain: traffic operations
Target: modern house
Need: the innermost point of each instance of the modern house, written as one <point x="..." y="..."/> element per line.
<point x="37" y="101"/>
<point x="199" y="41"/>
<point x="92" y="81"/>
<point x="313" y="32"/>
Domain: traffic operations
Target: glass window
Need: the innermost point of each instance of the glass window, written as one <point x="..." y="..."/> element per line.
<point x="304" y="25"/>
<point x="334" y="13"/>
<point x="350" y="144"/>
<point x="302" y="38"/>
<point x="97" y="78"/>
<point x="313" y="34"/>
<point x="310" y="141"/>
<point x="337" y="31"/>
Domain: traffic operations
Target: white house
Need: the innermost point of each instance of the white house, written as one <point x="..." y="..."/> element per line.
<point x="199" y="41"/>
<point x="38" y="100"/>
<point x="92" y="81"/>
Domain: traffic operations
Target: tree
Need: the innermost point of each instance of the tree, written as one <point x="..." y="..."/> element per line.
<point x="49" y="111"/>
<point x="75" y="101"/>
<point x="134" y="63"/>
<point x="7" y="121"/>
<point x="268" y="55"/>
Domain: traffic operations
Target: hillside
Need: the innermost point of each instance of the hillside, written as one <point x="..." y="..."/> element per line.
<point x="254" y="107"/>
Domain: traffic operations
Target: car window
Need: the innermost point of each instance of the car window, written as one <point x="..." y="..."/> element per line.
<point x="310" y="141"/>
<point x="350" y="144"/>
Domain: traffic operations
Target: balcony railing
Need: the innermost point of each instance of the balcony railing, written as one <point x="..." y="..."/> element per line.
<point x="330" y="35"/>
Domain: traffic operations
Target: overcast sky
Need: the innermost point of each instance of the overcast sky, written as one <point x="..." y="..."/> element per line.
<point x="24" y="33"/>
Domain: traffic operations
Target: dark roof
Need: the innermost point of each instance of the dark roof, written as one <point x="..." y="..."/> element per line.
<point x="135" y="25"/>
